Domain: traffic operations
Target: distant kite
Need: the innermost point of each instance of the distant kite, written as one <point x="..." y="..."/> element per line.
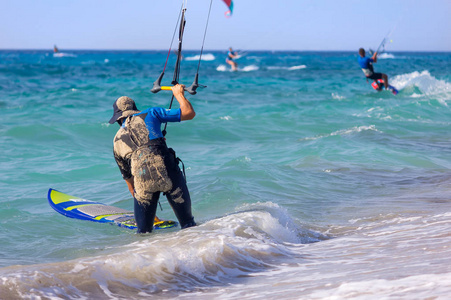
<point x="229" y="4"/>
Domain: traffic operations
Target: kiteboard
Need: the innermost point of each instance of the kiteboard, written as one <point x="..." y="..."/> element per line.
<point x="82" y="209"/>
<point x="379" y="86"/>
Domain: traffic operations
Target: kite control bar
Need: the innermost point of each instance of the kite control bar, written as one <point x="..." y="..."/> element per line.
<point x="191" y="89"/>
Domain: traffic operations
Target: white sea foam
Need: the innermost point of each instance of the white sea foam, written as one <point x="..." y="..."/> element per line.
<point x="428" y="84"/>
<point x="352" y="130"/>
<point x="292" y="68"/>
<point x="224" y="68"/>
<point x="407" y="260"/>
<point x="385" y="56"/>
<point x="249" y="68"/>
<point x="297" y="67"/>
<point x="416" y="95"/>
<point x="206" y="57"/>
<point x="381" y="257"/>
<point x="63" y="54"/>
<point x="235" y="245"/>
<point x="337" y="97"/>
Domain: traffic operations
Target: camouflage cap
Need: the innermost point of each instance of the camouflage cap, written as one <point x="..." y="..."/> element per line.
<point x="123" y="107"/>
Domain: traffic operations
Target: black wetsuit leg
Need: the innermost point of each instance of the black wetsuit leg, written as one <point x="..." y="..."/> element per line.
<point x="145" y="213"/>
<point x="178" y="197"/>
<point x="375" y="76"/>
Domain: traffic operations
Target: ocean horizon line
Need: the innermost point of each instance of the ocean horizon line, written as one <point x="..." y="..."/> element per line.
<point x="213" y="50"/>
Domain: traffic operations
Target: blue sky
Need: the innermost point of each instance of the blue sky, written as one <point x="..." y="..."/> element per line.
<point x="419" y="25"/>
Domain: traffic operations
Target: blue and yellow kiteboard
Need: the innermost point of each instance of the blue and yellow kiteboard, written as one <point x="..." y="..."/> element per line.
<point x="78" y="208"/>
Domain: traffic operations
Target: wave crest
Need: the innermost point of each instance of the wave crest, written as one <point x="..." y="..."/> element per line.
<point x="425" y="82"/>
<point x="213" y="253"/>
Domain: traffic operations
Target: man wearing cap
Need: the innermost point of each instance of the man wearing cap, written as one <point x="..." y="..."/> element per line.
<point x="147" y="165"/>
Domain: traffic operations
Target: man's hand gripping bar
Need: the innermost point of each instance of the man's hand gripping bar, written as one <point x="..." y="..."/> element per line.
<point x="191" y="89"/>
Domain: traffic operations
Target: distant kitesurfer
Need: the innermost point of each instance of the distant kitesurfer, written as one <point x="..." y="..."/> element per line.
<point x="366" y="64"/>
<point x="231" y="55"/>
<point x="55" y="49"/>
<point x="147" y="165"/>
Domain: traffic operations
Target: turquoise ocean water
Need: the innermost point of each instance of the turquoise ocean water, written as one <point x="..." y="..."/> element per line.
<point x="306" y="183"/>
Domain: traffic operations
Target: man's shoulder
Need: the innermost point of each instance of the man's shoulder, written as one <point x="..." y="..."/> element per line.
<point x="363" y="61"/>
<point x="160" y="113"/>
<point x="119" y="135"/>
<point x="151" y="110"/>
<point x="122" y="145"/>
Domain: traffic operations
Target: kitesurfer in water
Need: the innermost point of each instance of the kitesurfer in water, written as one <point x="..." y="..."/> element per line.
<point x="231" y="55"/>
<point x="366" y="63"/>
<point x="147" y="165"/>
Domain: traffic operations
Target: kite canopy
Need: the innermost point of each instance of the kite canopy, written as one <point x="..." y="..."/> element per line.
<point x="229" y="4"/>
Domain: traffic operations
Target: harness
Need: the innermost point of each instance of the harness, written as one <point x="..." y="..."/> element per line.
<point x="368" y="71"/>
<point x="152" y="142"/>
